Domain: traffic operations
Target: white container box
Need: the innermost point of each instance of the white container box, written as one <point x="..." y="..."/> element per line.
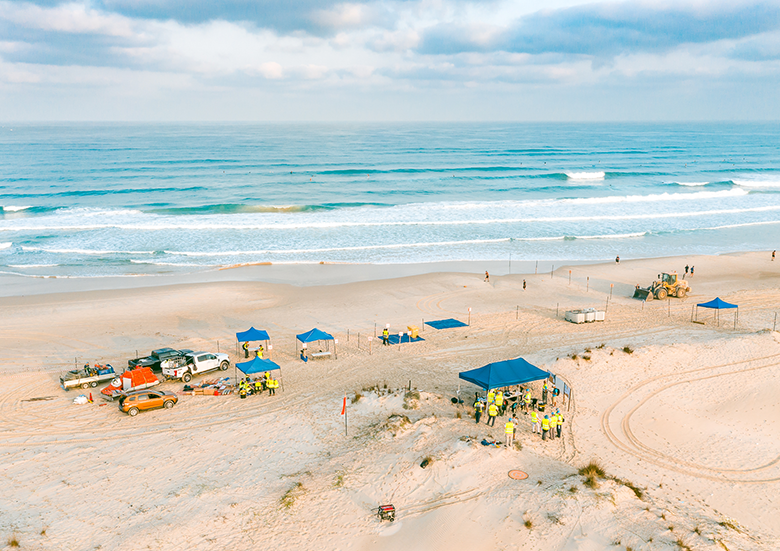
<point x="590" y="314"/>
<point x="600" y="314"/>
<point x="575" y="316"/>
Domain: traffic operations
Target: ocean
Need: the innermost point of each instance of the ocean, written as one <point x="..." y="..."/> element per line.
<point x="85" y="200"/>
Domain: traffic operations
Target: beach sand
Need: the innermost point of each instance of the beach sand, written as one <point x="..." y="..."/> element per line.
<point x="683" y="417"/>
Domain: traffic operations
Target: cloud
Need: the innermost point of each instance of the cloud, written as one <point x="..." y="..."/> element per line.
<point x="608" y="29"/>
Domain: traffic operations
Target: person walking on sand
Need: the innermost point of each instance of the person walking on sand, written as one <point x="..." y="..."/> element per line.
<point x="479" y="407"/>
<point x="487" y="276"/>
<point x="692" y="267"/>
<point x="773" y="255"/>
<point x="385" y="337"/>
<point x="545" y="427"/>
<point x="523" y="285"/>
<point x="617" y="260"/>
<point x="509" y="431"/>
<point x="492" y="414"/>
<point x="686" y="270"/>
<point x="535" y="422"/>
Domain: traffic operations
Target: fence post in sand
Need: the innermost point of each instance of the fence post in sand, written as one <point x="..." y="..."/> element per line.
<point x="556" y="309"/>
<point x="335" y="351"/>
<point x="517" y="313"/>
<point x="691" y="313"/>
<point x="347" y="335"/>
<point x="775" y="326"/>
<point x="669" y="306"/>
<point x="369" y="345"/>
<point x="469" y="317"/>
<point x="587" y="284"/>
<point x="374" y="329"/>
<point x="606" y="306"/>
<point x="569" y="277"/>
<point x="358" y="340"/>
<point x="611" y="286"/>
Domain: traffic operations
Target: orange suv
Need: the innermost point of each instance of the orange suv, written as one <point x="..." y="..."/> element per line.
<point x="141" y="400"/>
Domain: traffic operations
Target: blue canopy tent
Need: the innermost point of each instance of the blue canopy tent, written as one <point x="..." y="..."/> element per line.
<point x="252" y="334"/>
<point x="717" y="304"/>
<point x="505" y="373"/>
<point x="312" y="336"/>
<point x="258" y="365"/>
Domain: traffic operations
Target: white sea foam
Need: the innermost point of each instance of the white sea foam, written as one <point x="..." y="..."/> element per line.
<point x="689" y="184"/>
<point x="13" y="208"/>
<point x="6" y="245"/>
<point x="332" y="249"/>
<point x="694" y="196"/>
<point x="757" y="183"/>
<point x="33" y="265"/>
<point x="80" y="251"/>
<point x="585" y="175"/>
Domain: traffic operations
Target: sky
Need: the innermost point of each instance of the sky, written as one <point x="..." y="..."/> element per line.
<point x="389" y="60"/>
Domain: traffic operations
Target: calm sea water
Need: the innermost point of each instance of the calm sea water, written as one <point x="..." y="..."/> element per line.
<point x="88" y="200"/>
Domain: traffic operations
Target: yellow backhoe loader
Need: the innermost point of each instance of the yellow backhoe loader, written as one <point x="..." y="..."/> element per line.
<point x="666" y="285"/>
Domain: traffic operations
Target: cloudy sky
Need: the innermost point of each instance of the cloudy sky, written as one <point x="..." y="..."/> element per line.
<point x="404" y="60"/>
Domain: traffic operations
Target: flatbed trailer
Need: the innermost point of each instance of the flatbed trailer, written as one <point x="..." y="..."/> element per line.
<point x="87" y="377"/>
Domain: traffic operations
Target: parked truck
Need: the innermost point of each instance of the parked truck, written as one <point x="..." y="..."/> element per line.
<point x="87" y="377"/>
<point x="156" y="358"/>
<point x="194" y="363"/>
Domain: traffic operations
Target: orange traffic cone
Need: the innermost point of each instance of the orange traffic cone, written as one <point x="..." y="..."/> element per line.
<point x="90" y="397"/>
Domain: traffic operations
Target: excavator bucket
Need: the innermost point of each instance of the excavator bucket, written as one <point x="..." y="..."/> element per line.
<point x="643" y="294"/>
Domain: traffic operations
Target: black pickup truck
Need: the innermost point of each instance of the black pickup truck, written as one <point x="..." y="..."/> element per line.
<point x="154" y="359"/>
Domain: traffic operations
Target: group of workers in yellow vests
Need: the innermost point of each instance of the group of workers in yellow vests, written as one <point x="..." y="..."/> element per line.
<point x="548" y="426"/>
<point x="266" y="382"/>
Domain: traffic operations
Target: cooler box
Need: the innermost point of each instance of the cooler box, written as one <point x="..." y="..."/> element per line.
<point x="590" y="314"/>
<point x="575" y="316"/>
<point x="600" y="315"/>
<point x="414" y="330"/>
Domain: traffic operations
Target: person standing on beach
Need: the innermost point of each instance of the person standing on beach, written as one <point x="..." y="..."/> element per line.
<point x="492" y="414"/>
<point x="500" y="403"/>
<point x="487" y="276"/>
<point x="553" y="424"/>
<point x="509" y="431"/>
<point x="478" y="409"/>
<point x="545" y="427"/>
<point x="523" y="285"/>
<point x="527" y="400"/>
<point x="686" y="269"/>
<point x="692" y="267"/>
<point x="773" y="255"/>
<point x="617" y="260"/>
<point x="559" y="422"/>
<point x="245" y="346"/>
<point x="385" y="337"/>
<point x="535" y="422"/>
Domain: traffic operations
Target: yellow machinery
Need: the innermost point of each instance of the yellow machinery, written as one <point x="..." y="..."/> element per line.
<point x="666" y="285"/>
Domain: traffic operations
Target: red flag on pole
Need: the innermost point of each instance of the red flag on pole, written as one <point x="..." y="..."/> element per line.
<point x="344" y="405"/>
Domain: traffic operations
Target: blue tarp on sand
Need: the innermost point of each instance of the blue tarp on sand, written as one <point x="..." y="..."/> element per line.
<point x="445" y="324"/>
<point x="717" y="304"/>
<point x="257" y="365"/>
<point x="394" y="339"/>
<point x="314" y="335"/>
<point x="253" y="334"/>
<point x="506" y="373"/>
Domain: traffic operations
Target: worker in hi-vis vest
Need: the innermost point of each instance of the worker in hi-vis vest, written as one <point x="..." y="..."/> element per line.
<point x="492" y="414"/>
<point x="509" y="431"/>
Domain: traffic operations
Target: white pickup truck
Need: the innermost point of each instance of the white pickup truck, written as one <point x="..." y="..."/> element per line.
<point x="194" y="363"/>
